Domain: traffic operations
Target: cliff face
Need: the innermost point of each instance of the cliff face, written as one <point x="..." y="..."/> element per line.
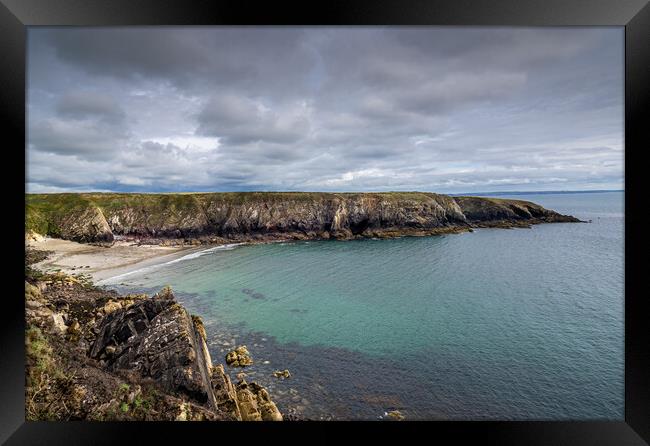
<point x="257" y="215"/>
<point x="95" y="355"/>
<point x="490" y="212"/>
<point x="158" y="339"/>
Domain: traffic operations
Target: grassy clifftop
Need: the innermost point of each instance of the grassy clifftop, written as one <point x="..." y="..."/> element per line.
<point x="100" y="216"/>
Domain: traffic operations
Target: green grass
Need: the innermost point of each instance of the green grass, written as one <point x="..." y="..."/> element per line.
<point x="45" y="379"/>
<point x="45" y="212"/>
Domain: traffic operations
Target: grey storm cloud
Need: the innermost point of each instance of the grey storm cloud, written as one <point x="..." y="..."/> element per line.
<point x="287" y="108"/>
<point x="240" y="120"/>
<point x="84" y="124"/>
<point x="81" y="104"/>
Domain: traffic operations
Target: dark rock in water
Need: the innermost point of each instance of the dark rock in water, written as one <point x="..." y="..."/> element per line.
<point x="253" y="294"/>
<point x="284" y="374"/>
<point x="395" y="415"/>
<point x="239" y="357"/>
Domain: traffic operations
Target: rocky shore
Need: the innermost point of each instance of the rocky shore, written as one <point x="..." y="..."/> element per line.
<point x="217" y="218"/>
<point x="93" y="354"/>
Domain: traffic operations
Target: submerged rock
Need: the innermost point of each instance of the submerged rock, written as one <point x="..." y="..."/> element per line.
<point x="284" y="374"/>
<point x="395" y="415"/>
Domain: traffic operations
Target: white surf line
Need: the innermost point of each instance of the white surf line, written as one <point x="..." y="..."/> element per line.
<point x="194" y="255"/>
<point x="198" y="254"/>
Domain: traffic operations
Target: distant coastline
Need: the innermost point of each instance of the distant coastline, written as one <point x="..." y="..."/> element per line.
<point x="538" y="192"/>
<point x="219" y="218"/>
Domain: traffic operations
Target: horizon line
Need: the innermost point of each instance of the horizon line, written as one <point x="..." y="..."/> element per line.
<point x="343" y="192"/>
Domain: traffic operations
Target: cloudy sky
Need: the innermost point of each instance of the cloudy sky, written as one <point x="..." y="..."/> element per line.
<point x="441" y="109"/>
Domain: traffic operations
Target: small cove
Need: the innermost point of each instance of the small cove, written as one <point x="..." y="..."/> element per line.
<point x="494" y="324"/>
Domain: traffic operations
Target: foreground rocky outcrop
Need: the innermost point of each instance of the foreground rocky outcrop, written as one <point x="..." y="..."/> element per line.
<point x="96" y="355"/>
<point x="250" y="216"/>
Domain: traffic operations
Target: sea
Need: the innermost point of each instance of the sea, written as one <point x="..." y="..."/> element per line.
<point x="496" y="324"/>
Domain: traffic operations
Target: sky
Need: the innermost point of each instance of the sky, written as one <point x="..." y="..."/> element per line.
<point x="440" y="109"/>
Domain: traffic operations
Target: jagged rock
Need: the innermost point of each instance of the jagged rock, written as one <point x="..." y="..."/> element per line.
<point x="239" y="357"/>
<point x="151" y="341"/>
<point x="255" y="403"/>
<point x="224" y="392"/>
<point x="182" y="416"/>
<point x="73" y="330"/>
<point x="284" y="374"/>
<point x="57" y="323"/>
<point x="395" y="415"/>
<point x="156" y="338"/>
<point x="85" y="225"/>
<point x="111" y="306"/>
<point x="247" y="403"/>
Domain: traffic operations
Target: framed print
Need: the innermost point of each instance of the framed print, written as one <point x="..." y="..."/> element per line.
<point x="365" y="216"/>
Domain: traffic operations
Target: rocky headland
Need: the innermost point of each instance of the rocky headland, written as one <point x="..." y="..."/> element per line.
<point x="92" y="354"/>
<point x="262" y="216"/>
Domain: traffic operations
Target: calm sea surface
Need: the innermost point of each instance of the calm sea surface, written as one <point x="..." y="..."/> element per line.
<point x="494" y="324"/>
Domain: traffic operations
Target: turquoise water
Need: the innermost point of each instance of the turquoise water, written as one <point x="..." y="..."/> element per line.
<point x="494" y="324"/>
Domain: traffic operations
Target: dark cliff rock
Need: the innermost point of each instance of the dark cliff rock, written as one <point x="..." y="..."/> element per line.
<point x="93" y="354"/>
<point x="265" y="216"/>
<point x="484" y="211"/>
<point x="157" y="338"/>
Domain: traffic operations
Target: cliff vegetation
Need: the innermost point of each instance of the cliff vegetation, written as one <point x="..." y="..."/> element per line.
<point x="249" y="216"/>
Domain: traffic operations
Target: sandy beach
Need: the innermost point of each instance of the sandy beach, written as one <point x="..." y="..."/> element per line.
<point x="101" y="262"/>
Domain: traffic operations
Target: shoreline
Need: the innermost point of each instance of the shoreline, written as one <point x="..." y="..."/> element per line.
<point x="104" y="262"/>
<point x="123" y="257"/>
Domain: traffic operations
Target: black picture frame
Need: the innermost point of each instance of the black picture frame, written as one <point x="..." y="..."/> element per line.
<point x="634" y="15"/>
